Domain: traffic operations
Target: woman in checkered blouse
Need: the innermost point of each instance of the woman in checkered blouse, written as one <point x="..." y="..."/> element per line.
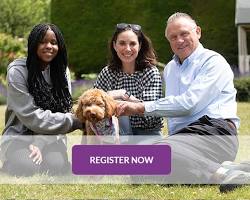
<point x="131" y="75"/>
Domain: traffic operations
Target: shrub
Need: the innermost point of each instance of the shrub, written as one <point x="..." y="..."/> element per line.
<point x="10" y="49"/>
<point x="242" y="86"/>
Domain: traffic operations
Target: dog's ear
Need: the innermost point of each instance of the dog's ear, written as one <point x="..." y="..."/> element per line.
<point x="110" y="105"/>
<point x="79" y="110"/>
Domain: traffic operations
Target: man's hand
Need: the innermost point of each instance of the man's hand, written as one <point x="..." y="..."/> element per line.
<point x="129" y="108"/>
<point x="35" y="154"/>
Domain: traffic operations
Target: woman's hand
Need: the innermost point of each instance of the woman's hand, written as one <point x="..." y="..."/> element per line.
<point x="130" y="98"/>
<point x="35" y="154"/>
<point x="122" y="94"/>
<point x="117" y="94"/>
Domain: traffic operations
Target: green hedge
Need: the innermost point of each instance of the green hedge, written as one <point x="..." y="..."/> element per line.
<point x="242" y="86"/>
<point x="217" y="20"/>
<point x="87" y="26"/>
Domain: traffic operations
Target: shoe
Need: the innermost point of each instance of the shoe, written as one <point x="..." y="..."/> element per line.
<point x="243" y="166"/>
<point x="228" y="187"/>
<point x="234" y="179"/>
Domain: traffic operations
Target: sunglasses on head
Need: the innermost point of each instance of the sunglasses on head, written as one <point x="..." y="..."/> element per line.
<point x="123" y="26"/>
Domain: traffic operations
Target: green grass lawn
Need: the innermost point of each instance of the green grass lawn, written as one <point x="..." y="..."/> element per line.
<point x="123" y="191"/>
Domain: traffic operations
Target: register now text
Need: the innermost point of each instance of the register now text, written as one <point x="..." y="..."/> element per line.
<point x="121" y="160"/>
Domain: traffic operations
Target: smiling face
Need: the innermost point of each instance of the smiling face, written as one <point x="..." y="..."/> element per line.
<point x="48" y="47"/>
<point x="183" y="35"/>
<point x="127" y="48"/>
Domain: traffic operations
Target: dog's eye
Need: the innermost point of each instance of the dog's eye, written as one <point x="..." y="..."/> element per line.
<point x="101" y="105"/>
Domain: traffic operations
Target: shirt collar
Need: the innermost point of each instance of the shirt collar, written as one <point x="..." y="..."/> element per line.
<point x="191" y="57"/>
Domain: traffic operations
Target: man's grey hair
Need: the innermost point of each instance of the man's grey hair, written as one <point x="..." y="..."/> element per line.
<point x="177" y="15"/>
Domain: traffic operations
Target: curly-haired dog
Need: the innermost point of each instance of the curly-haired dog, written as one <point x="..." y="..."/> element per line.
<point x="96" y="109"/>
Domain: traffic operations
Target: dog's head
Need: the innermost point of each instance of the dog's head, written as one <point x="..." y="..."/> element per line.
<point x="95" y="105"/>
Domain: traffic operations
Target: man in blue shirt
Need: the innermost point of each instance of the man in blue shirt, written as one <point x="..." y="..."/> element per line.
<point x="200" y="105"/>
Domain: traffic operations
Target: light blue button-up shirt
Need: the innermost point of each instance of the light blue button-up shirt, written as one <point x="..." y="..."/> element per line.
<point x="201" y="85"/>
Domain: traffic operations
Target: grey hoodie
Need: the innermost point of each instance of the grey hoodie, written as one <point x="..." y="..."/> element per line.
<point x="23" y="117"/>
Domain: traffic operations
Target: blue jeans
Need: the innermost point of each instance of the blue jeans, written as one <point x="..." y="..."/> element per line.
<point x="135" y="135"/>
<point x="126" y="129"/>
<point x="124" y="126"/>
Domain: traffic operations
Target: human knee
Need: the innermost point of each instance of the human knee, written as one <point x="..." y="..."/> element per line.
<point x="19" y="164"/>
<point x="55" y="163"/>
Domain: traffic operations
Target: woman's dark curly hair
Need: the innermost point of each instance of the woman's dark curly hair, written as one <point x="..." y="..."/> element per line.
<point x="146" y="56"/>
<point x="56" y="98"/>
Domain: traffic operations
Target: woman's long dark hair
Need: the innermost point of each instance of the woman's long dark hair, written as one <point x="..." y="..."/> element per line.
<point x="146" y="56"/>
<point x="57" y="98"/>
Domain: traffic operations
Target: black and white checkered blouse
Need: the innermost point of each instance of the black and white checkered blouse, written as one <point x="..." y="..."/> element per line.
<point x="145" y="85"/>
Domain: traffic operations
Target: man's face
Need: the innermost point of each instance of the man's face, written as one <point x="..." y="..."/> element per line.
<point x="183" y="36"/>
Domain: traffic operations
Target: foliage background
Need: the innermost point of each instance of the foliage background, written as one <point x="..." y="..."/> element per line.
<point x="219" y="32"/>
<point x="88" y="26"/>
<point x="17" y="17"/>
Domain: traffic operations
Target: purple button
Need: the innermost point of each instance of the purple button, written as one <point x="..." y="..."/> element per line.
<point x="121" y="159"/>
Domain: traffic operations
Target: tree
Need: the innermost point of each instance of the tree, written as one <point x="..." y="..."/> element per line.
<point x="17" y="17"/>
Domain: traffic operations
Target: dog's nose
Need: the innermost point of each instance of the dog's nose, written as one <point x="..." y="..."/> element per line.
<point x="92" y="115"/>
